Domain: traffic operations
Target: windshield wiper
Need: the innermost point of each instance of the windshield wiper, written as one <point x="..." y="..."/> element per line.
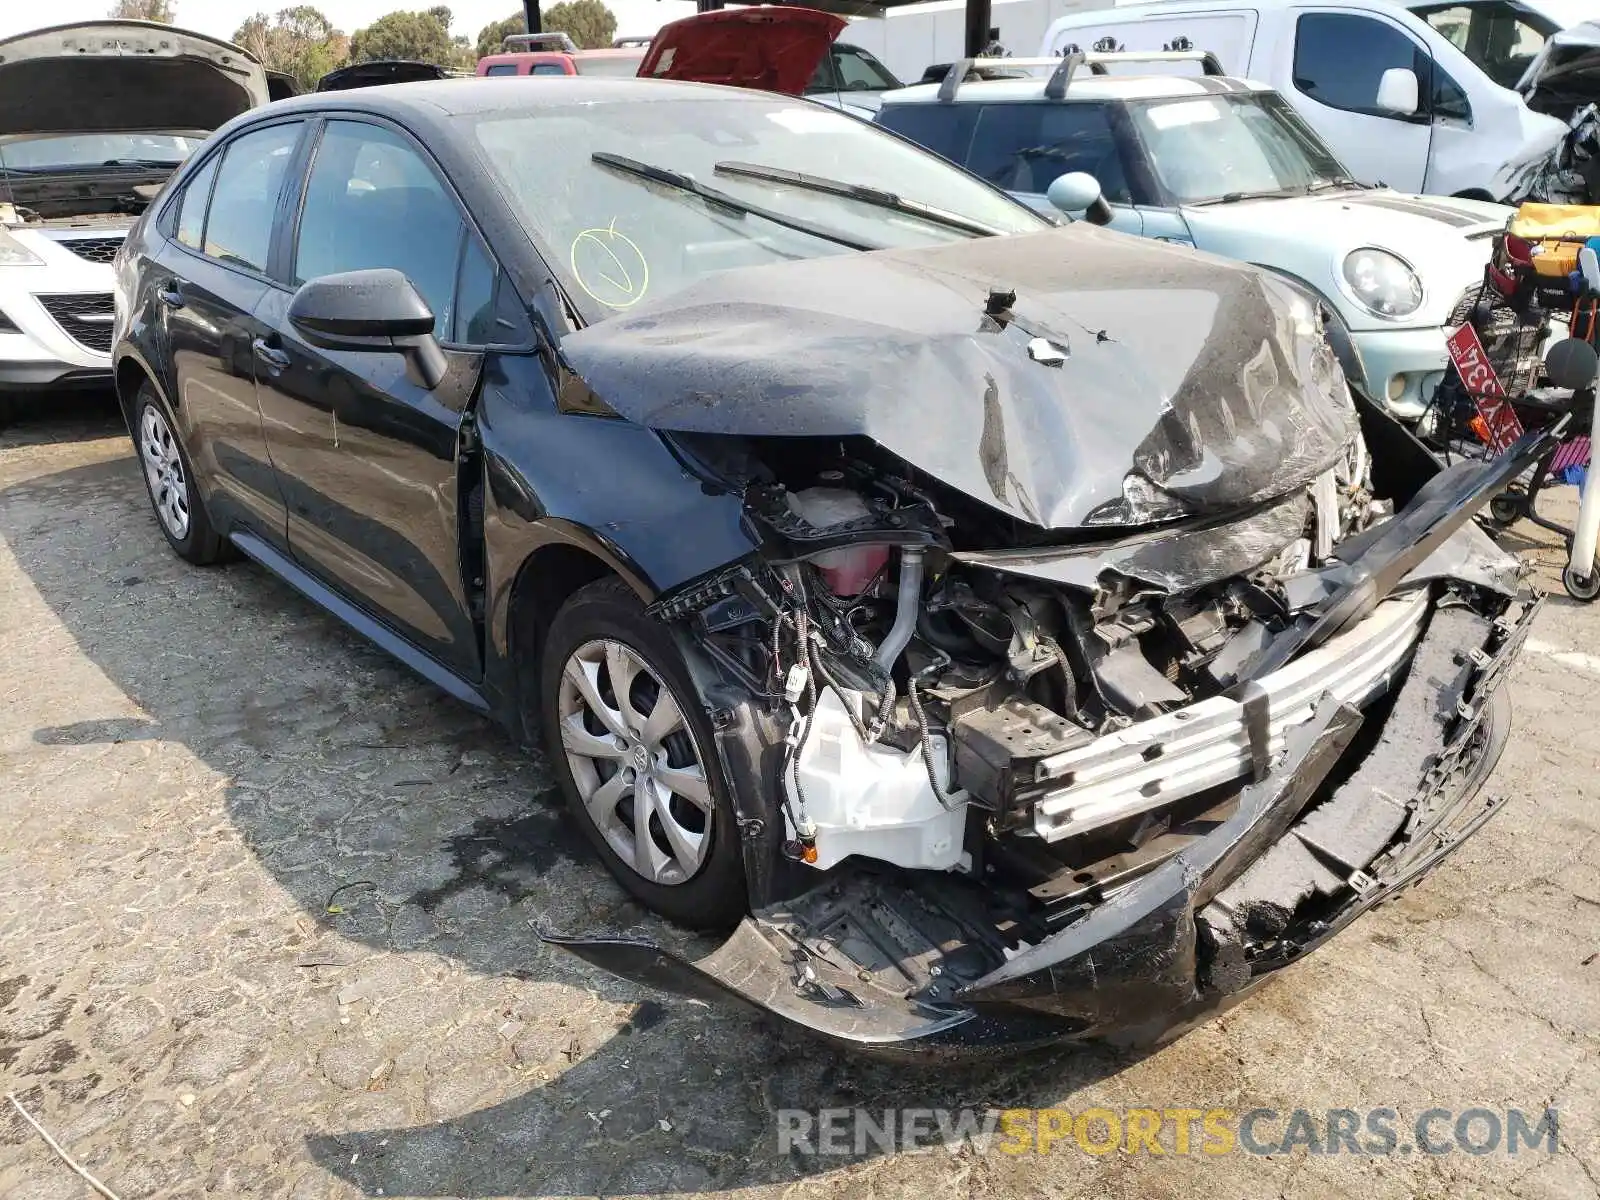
<point x="1262" y="194"/>
<point x="1338" y="181"/>
<point x="161" y="163"/>
<point x="716" y="199"/>
<point x="876" y="197"/>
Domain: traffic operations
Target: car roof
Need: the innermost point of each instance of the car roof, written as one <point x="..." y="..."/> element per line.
<point x="1083" y="87"/>
<point x="1135" y="10"/>
<point x="480" y="95"/>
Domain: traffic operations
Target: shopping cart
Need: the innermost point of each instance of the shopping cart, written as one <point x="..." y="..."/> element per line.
<point x="1498" y="383"/>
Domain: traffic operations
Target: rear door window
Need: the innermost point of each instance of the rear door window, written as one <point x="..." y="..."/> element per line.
<point x="244" y="201"/>
<point x="1024" y="147"/>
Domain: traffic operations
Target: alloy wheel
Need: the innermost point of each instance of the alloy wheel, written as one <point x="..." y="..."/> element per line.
<point x="634" y="762"/>
<point x="163" y="467"/>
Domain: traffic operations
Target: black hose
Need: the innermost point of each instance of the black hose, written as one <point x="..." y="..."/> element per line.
<point x="927" y="746"/>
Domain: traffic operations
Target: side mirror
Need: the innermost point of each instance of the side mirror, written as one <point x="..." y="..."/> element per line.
<point x="1079" y="191"/>
<point x="377" y="311"/>
<point x="1398" y="92"/>
<point x="1572" y="363"/>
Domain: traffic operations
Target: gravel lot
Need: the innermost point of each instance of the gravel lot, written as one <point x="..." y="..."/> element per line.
<point x="194" y="761"/>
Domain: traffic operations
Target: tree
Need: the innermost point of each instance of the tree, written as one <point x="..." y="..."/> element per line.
<point x="299" y="41"/>
<point x="491" y="40"/>
<point x="588" y="22"/>
<point x="423" y="36"/>
<point x="144" y="10"/>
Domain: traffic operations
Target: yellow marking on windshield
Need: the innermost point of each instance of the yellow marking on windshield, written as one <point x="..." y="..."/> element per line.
<point x="610" y="266"/>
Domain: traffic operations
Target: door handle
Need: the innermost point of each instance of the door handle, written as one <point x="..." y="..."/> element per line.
<point x="171" y="297"/>
<point x="276" y="359"/>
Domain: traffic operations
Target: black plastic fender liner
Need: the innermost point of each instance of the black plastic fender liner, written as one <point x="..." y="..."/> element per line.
<point x="756" y="971"/>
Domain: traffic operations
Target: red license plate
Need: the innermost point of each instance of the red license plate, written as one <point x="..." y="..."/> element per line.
<point x="1477" y="373"/>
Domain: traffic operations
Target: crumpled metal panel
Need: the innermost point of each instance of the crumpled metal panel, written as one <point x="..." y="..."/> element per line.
<point x="1344" y="835"/>
<point x="1191" y="386"/>
<point x="1173" y="560"/>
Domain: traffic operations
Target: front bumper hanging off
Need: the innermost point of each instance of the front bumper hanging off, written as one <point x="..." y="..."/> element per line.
<point x="912" y="963"/>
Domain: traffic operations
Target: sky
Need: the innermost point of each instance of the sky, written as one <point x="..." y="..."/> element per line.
<point x="221" y="17"/>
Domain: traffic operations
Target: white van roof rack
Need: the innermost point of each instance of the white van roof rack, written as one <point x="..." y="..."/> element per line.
<point x="1067" y="65"/>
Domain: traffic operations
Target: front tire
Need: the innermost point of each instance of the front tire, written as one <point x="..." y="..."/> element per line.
<point x="169" y="482"/>
<point x="630" y="743"/>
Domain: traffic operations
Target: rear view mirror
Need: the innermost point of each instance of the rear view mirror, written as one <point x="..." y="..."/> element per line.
<point x="1398" y="92"/>
<point x="376" y="311"/>
<point x="1079" y="192"/>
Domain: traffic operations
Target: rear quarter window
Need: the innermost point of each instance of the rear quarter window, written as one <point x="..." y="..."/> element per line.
<point x="945" y="129"/>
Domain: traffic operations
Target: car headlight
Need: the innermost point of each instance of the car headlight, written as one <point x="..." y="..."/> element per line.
<point x="14" y="254"/>
<point x="1382" y="283"/>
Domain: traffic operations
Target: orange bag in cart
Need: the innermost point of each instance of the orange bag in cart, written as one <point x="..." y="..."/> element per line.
<point x="1556" y="232"/>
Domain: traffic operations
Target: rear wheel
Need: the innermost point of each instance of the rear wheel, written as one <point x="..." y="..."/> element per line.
<point x="631" y="745"/>
<point x="169" y="480"/>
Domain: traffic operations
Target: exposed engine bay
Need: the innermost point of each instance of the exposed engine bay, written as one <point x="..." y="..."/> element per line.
<point x="76" y="199"/>
<point x="924" y="681"/>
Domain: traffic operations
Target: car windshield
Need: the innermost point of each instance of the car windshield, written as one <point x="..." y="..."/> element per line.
<point x="617" y="238"/>
<point x="76" y="151"/>
<point x="1223" y="147"/>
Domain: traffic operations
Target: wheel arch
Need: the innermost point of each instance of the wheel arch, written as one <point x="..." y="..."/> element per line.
<point x="545" y="579"/>
<point x="130" y="375"/>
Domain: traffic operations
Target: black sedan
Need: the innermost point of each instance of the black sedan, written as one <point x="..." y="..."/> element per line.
<point x="1015" y="632"/>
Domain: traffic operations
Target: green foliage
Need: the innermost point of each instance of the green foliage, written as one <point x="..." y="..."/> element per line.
<point x="299" y="41"/>
<point x="422" y="36"/>
<point x="588" y="22"/>
<point x="144" y="10"/>
<point x="491" y="39"/>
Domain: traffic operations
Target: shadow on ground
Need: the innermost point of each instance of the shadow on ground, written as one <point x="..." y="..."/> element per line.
<point x="400" y="821"/>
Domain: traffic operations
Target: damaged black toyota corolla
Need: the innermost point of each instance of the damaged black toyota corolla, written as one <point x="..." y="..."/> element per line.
<point x="1018" y="632"/>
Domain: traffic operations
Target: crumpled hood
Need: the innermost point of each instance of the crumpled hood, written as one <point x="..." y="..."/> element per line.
<point x="1191" y="385"/>
<point x="110" y="76"/>
<point x="1446" y="240"/>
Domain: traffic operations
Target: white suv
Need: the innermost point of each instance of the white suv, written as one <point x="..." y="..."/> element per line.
<point x="1226" y="166"/>
<point x="93" y="119"/>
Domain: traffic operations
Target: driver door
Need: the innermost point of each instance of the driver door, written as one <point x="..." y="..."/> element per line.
<point x="367" y="457"/>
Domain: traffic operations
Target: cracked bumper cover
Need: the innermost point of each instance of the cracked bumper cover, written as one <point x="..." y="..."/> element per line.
<point x="1269" y="884"/>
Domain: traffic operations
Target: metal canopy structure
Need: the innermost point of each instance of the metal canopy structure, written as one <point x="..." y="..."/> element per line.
<point x="979" y="32"/>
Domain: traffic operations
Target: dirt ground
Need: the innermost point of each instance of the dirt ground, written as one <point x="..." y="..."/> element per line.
<point x="193" y="762"/>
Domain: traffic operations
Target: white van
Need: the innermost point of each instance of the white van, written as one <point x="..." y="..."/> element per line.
<point x="1397" y="101"/>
